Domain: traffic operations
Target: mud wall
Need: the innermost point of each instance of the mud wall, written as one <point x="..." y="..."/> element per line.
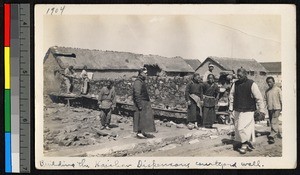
<point x="165" y="92"/>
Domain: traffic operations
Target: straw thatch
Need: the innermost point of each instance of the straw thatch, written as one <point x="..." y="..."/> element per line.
<point x="194" y="63"/>
<point x="113" y="60"/>
<point x="272" y="67"/>
<point x="175" y="64"/>
<point x="95" y="59"/>
<point x="232" y="64"/>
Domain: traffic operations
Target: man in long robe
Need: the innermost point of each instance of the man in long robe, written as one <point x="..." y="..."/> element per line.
<point x="244" y="98"/>
<point x="211" y="91"/>
<point x="143" y="120"/>
<point x="194" y="97"/>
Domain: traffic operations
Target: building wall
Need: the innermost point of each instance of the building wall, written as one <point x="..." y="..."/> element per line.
<point x="52" y="82"/>
<point x="204" y="68"/>
<point x="277" y="76"/>
<point x="180" y="74"/>
<point x="97" y="75"/>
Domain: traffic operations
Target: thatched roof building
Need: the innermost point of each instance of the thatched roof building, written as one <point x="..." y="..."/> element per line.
<point x="94" y="59"/>
<point x="107" y="64"/>
<point x="272" y="67"/>
<point x="175" y="66"/>
<point x="194" y="63"/>
<point x="224" y="64"/>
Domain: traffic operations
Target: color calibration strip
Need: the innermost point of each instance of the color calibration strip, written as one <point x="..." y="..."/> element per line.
<point x="17" y="87"/>
<point x="7" y="90"/>
<point x="15" y="90"/>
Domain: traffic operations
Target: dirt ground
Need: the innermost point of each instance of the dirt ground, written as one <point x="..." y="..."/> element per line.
<point x="76" y="132"/>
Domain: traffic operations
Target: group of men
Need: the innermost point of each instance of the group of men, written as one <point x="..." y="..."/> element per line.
<point x="244" y="99"/>
<point x="69" y="75"/>
<point x="202" y="96"/>
<point x="143" y="115"/>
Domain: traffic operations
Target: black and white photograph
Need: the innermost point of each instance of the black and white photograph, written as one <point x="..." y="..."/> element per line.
<point x="165" y="86"/>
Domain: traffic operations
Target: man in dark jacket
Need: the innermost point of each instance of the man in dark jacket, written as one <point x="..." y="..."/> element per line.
<point x="244" y="98"/>
<point x="143" y="115"/>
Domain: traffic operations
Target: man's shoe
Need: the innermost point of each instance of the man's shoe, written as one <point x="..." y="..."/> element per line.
<point x="271" y="140"/>
<point x="242" y="150"/>
<point x="250" y="147"/>
<point x="140" y="135"/>
<point x="102" y="127"/>
<point x="107" y="128"/>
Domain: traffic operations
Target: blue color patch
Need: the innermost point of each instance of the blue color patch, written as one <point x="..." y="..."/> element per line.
<point x="8" y="166"/>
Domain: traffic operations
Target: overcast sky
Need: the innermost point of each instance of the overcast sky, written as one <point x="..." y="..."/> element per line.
<point x="191" y="37"/>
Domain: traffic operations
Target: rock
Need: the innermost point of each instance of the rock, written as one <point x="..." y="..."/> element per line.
<point x="121" y="128"/>
<point x="49" y="137"/>
<point x="168" y="124"/>
<point x="190" y="126"/>
<point x="78" y="110"/>
<point x="55" y="132"/>
<point x="188" y="135"/>
<point x="113" y="134"/>
<point x="99" y="133"/>
<point x="194" y="141"/>
<point x="157" y="121"/>
<point x="84" y="127"/>
<point x="74" y="138"/>
<point x="60" y="105"/>
<point x="65" y="121"/>
<point x="83" y="142"/>
<point x="46" y="147"/>
<point x="79" y="126"/>
<point x="213" y="137"/>
<point x="46" y="130"/>
<point x="60" y="138"/>
<point x="173" y="123"/>
<point x="71" y="129"/>
<point x="168" y="147"/>
<point x="180" y="125"/>
<point x="57" y="119"/>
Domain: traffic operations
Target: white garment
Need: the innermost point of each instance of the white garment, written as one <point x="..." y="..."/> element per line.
<point x="244" y="126"/>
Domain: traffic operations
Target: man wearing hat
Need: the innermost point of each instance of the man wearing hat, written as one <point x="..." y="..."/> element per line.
<point x="143" y="120"/>
<point x="244" y="98"/>
<point x="210" y="71"/>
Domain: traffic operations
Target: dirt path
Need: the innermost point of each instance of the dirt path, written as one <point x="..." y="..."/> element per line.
<point x="220" y="147"/>
<point x="75" y="132"/>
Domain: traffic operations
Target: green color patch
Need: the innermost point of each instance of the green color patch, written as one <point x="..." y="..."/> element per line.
<point x="7" y="110"/>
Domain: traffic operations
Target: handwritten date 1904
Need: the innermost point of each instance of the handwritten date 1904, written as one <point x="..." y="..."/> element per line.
<point x="55" y="10"/>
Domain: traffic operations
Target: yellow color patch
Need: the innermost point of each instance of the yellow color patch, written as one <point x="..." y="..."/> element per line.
<point x="7" y="67"/>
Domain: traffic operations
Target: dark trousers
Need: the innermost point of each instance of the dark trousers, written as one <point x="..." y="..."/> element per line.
<point x="105" y="116"/>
